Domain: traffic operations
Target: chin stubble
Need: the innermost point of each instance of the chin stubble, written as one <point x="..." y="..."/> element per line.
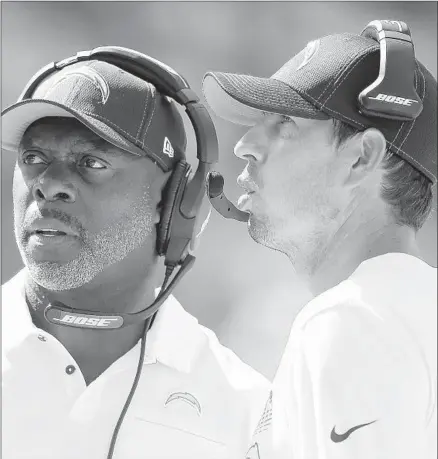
<point x="98" y="251"/>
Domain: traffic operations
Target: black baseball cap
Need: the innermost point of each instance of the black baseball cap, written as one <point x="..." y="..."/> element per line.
<point x="324" y="81"/>
<point x="119" y="107"/>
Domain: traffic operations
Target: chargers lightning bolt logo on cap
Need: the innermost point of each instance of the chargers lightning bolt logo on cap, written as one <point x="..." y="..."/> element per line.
<point x="186" y="398"/>
<point x="309" y="52"/>
<point x="90" y="74"/>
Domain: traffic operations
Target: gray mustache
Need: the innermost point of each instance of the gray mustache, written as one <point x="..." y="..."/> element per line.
<point x="69" y="220"/>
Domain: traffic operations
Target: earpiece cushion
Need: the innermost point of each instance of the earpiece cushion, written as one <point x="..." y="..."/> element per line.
<point x="171" y="200"/>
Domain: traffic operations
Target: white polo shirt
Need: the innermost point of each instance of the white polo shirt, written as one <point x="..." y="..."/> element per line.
<point x="195" y="398"/>
<point x="358" y="377"/>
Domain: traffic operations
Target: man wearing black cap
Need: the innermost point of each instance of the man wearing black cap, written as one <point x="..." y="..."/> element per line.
<point x="341" y="161"/>
<point x="96" y="146"/>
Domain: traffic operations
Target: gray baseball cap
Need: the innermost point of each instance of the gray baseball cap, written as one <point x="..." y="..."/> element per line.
<point x="324" y="81"/>
<point x="119" y="107"/>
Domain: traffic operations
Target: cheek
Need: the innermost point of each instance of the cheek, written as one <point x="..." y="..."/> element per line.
<point x="297" y="188"/>
<point x="21" y="194"/>
<point x="118" y="205"/>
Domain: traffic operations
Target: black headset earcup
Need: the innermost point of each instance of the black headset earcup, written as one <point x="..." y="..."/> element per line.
<point x="172" y="196"/>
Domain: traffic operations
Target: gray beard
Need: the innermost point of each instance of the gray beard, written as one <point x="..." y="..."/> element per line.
<point x="99" y="251"/>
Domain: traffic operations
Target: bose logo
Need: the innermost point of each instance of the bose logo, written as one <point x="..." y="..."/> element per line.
<point x="394" y="100"/>
<point x="90" y="321"/>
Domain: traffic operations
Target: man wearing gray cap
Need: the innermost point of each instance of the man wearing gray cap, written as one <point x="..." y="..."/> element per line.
<point x="341" y="161"/>
<point x="95" y="365"/>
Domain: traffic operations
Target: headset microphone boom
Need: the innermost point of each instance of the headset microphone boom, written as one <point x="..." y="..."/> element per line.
<point x="215" y="192"/>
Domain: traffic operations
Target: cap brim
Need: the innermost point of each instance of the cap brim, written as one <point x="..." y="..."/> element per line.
<point x="244" y="99"/>
<point x="18" y="117"/>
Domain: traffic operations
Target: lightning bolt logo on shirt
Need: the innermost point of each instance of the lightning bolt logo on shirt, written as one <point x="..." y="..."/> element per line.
<point x="186" y="398"/>
<point x="253" y="452"/>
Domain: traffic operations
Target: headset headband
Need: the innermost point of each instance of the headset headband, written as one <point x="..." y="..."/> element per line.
<point x="164" y="78"/>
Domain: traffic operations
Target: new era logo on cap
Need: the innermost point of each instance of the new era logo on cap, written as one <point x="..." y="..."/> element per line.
<point x="167" y="148"/>
<point x="120" y="107"/>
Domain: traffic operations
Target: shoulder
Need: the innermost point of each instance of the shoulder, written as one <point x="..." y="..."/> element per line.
<point x="192" y="342"/>
<point x="240" y="385"/>
<point x="342" y="318"/>
<point x="342" y="300"/>
<point x="12" y="297"/>
<point x="237" y="391"/>
<point x="342" y="337"/>
<point x="14" y="312"/>
<point x="239" y="374"/>
<point x="13" y="288"/>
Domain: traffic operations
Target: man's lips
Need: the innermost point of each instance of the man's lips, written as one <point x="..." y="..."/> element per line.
<point x="51" y="227"/>
<point x="248" y="185"/>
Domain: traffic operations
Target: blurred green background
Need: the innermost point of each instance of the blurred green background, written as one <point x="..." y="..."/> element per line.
<point x="247" y="294"/>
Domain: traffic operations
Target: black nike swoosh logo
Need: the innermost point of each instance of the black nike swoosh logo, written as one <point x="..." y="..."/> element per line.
<point x="336" y="438"/>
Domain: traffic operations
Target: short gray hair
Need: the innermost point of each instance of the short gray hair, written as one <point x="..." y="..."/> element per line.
<point x="407" y="191"/>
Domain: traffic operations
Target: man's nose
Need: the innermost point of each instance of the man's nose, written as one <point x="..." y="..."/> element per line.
<point x="247" y="150"/>
<point x="55" y="184"/>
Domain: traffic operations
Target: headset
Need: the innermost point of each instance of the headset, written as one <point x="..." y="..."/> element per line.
<point x="176" y="231"/>
<point x="396" y="76"/>
<point x="182" y="200"/>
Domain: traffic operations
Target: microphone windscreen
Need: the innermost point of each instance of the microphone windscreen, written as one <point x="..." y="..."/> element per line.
<point x="215" y="184"/>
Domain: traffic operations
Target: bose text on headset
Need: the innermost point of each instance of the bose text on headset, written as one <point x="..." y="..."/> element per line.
<point x="183" y="195"/>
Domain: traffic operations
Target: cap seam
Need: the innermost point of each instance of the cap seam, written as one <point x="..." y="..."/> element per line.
<point x="94" y="115"/>
<point x="420" y="166"/>
<point x="426" y="172"/>
<point x="148" y="150"/>
<point x="404" y="122"/>
<point x="346" y="75"/>
<point x="144" y="113"/>
<point x="161" y="162"/>
<point x="150" y="120"/>
<point x="334" y="111"/>
<point x="342" y="70"/>
<point x="422" y="99"/>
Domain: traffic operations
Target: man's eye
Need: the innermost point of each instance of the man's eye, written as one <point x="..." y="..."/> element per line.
<point x="286" y="128"/>
<point x="31" y="159"/>
<point x="92" y="163"/>
<point x="285" y="120"/>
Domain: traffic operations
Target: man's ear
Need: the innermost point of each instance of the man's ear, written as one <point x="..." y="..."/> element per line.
<point x="368" y="151"/>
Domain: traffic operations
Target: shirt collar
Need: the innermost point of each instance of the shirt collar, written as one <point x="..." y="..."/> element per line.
<point x="175" y="339"/>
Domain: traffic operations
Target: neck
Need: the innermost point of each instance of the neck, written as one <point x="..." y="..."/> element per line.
<point x="94" y="350"/>
<point x="354" y="242"/>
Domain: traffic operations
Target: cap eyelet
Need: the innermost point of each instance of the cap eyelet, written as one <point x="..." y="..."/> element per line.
<point x="70" y="369"/>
